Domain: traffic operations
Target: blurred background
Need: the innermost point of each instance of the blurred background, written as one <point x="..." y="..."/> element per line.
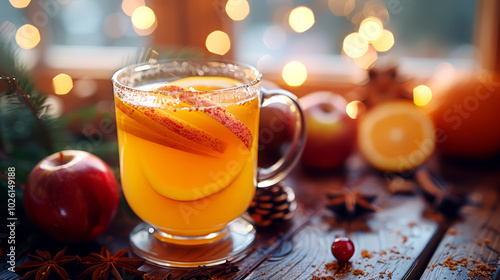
<point x="72" y="47"/>
<point x="65" y="52"/>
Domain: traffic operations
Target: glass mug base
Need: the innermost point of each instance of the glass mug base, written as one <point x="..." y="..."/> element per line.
<point x="162" y="249"/>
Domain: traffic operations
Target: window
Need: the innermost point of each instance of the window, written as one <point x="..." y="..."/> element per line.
<point x="425" y="34"/>
<point x="92" y="38"/>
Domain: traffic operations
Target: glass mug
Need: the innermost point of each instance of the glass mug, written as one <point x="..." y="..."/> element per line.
<point x="188" y="144"/>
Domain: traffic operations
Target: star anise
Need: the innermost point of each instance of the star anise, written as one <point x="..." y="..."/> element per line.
<point x="100" y="266"/>
<point x="439" y="194"/>
<point x="43" y="265"/>
<point x="349" y="203"/>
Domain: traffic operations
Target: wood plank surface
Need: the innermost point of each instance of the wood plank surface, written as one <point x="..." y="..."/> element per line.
<point x="471" y="242"/>
<point x="408" y="239"/>
<point x="393" y="240"/>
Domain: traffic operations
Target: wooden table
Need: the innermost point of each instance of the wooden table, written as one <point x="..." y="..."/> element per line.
<point x="408" y="239"/>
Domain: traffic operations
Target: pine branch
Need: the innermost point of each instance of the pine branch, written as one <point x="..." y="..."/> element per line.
<point x="36" y="108"/>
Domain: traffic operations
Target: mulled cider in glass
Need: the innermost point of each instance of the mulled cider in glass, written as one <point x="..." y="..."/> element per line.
<point x="188" y="145"/>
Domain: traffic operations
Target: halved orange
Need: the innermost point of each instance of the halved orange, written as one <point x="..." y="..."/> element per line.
<point x="396" y="136"/>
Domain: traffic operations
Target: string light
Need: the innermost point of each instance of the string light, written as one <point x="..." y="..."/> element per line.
<point x="218" y="42"/>
<point x="143" y="17"/>
<point x="146" y="32"/>
<point x="371" y="29"/>
<point x="384" y="42"/>
<point x="237" y="9"/>
<point x="355" y="108"/>
<point x="129" y="6"/>
<point x="19" y="3"/>
<point x="62" y="84"/>
<point x="301" y="19"/>
<point x="355" y="45"/>
<point x="294" y="73"/>
<point x="27" y="36"/>
<point x="422" y="95"/>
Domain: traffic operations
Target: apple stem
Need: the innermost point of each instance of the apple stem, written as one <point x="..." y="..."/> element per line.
<point x="61" y="157"/>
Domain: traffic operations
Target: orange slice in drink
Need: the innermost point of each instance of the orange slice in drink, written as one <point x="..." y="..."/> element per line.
<point x="175" y="129"/>
<point x="138" y="130"/>
<point x="208" y="106"/>
<point x="396" y="136"/>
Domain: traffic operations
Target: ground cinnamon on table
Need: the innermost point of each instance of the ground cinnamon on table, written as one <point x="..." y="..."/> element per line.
<point x="481" y="270"/>
<point x="358" y="272"/>
<point x="452" y="231"/>
<point x="323" y="278"/>
<point x="366" y="254"/>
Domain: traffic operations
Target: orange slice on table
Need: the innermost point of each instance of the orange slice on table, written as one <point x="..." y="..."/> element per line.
<point x="396" y="136"/>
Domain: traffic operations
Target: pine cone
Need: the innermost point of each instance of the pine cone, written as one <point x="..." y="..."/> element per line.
<point x="272" y="204"/>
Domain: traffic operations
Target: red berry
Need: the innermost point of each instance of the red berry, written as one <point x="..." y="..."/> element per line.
<point x="342" y="249"/>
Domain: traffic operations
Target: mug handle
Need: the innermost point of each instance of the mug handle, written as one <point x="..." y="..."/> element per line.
<point x="278" y="171"/>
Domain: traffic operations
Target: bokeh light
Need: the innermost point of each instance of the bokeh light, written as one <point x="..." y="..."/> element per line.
<point x="274" y="37"/>
<point x="85" y="87"/>
<point x="237" y="9"/>
<point x="266" y="62"/>
<point x="146" y="32"/>
<point x="422" y="95"/>
<point x="62" y="84"/>
<point x="384" y="42"/>
<point x="294" y="73"/>
<point x="55" y="106"/>
<point x="341" y="7"/>
<point x="19" y="3"/>
<point x="301" y="19"/>
<point x="143" y="17"/>
<point x="27" y="36"/>
<point x="355" y="108"/>
<point x="218" y="42"/>
<point x="128" y="6"/>
<point x="355" y="45"/>
<point x="371" y="29"/>
<point x="115" y="25"/>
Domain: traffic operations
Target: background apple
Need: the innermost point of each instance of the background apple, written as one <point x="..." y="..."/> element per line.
<point x="331" y="133"/>
<point x="71" y="195"/>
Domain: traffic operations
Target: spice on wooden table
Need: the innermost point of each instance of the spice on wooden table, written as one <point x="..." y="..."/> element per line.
<point x="350" y="203"/>
<point x="101" y="265"/>
<point x="43" y="264"/>
<point x="366" y="254"/>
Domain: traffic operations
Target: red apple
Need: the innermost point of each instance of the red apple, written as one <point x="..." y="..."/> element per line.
<point x="331" y="133"/>
<point x="71" y="195"/>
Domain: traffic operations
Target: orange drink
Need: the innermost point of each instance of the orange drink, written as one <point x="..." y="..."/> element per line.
<point x="188" y="145"/>
<point x="199" y="185"/>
